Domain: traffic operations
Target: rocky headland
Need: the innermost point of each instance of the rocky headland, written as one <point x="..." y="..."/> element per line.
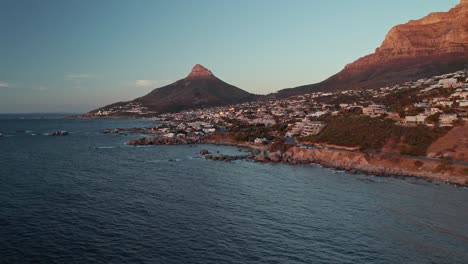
<point x="380" y="164"/>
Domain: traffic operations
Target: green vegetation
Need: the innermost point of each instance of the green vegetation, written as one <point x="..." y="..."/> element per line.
<point x="465" y="171"/>
<point x="373" y="133"/>
<point x="246" y="132"/>
<point x="433" y="118"/>
<point x="418" y="164"/>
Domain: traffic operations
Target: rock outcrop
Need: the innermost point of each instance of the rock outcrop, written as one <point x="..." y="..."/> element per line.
<point x="200" y="72"/>
<point x="145" y="141"/>
<point x="59" y="134"/>
<point x="375" y="164"/>
<point x="433" y="45"/>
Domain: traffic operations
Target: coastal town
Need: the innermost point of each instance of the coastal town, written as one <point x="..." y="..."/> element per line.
<point x="386" y="131"/>
<point x="440" y="101"/>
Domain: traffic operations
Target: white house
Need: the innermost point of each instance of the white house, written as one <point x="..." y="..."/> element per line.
<point x="462" y="103"/>
<point x="311" y="127"/>
<point x="448" y="83"/>
<point x="447" y="119"/>
<point x="374" y="110"/>
<point x="260" y="141"/>
<point x="417" y="119"/>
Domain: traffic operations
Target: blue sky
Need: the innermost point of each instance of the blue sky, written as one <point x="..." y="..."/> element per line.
<point x="76" y="55"/>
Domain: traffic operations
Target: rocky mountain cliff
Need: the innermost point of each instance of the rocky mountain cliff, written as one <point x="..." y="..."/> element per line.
<point x="199" y="89"/>
<point x="433" y="45"/>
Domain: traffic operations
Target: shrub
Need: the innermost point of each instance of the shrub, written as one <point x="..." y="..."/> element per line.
<point x="372" y="133"/>
<point x="465" y="171"/>
<point x="418" y="164"/>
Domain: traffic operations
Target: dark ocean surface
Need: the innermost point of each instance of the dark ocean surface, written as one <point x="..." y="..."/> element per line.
<point x="89" y="198"/>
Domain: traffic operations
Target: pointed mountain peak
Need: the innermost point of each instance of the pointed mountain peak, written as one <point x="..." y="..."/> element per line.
<point x="200" y="72"/>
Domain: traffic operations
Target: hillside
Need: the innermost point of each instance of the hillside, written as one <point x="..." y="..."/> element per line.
<point x="454" y="145"/>
<point x="199" y="89"/>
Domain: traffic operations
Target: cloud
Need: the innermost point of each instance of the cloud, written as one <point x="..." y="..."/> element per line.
<point x="151" y="83"/>
<point x="40" y="88"/>
<point x="4" y="85"/>
<point x="80" y="76"/>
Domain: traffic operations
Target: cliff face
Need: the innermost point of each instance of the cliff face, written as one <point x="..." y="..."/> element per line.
<point x="433" y="45"/>
<point x="438" y="34"/>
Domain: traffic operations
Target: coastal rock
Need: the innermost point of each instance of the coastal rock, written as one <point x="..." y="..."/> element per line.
<point x="160" y="141"/>
<point x="59" y="133"/>
<point x="204" y="152"/>
<point x="275" y="156"/>
<point x="262" y="156"/>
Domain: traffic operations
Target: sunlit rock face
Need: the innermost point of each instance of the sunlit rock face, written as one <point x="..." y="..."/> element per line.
<point x="433" y="45"/>
<point x="436" y="35"/>
<point x="200" y="72"/>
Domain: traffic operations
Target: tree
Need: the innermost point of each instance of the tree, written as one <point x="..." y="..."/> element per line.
<point x="433" y="118"/>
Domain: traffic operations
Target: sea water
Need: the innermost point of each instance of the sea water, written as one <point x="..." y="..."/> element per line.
<point x="89" y="198"/>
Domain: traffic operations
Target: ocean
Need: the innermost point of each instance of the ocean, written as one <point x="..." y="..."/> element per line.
<point x="89" y="198"/>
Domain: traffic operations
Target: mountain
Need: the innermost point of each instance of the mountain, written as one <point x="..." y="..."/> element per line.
<point x="433" y="45"/>
<point x="199" y="89"/>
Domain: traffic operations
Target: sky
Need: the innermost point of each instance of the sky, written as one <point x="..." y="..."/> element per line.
<point x="72" y="56"/>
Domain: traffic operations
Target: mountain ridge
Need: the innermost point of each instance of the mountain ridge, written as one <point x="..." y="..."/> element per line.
<point x="201" y="88"/>
<point x="432" y="45"/>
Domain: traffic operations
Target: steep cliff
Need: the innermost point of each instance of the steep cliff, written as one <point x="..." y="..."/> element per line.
<point x="433" y="45"/>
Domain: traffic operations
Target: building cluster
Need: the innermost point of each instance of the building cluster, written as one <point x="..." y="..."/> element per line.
<point x="443" y="101"/>
<point x="129" y="109"/>
<point x="440" y="101"/>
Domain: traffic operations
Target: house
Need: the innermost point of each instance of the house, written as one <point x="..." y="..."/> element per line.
<point x="260" y="141"/>
<point x="374" y="110"/>
<point x="344" y="106"/>
<point x="169" y="135"/>
<point x="447" y="119"/>
<point x="209" y="130"/>
<point x="306" y="128"/>
<point x="417" y="119"/>
<point x="449" y="83"/>
<point x="447" y="103"/>
<point x="432" y="110"/>
<point x="312" y="127"/>
<point x="462" y="103"/>
<point x="462" y="112"/>
<point x="318" y="113"/>
<point x="462" y="94"/>
<point x="421" y="105"/>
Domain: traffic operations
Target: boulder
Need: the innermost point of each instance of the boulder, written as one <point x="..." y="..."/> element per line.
<point x="204" y="152"/>
<point x="275" y="156"/>
<point x="59" y="133"/>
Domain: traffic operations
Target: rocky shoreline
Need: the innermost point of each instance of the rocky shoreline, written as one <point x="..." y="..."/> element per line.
<point x="351" y="162"/>
<point x="362" y="163"/>
<point x="144" y="141"/>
